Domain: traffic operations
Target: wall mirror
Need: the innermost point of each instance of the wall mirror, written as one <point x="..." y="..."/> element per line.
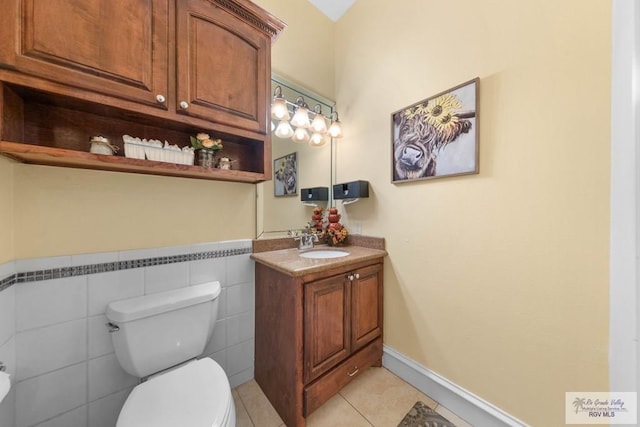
<point x="277" y="214"/>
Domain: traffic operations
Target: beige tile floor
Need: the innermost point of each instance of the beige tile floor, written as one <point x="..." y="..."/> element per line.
<point x="377" y="398"/>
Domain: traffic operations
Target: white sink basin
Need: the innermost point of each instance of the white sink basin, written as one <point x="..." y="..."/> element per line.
<point x="324" y="254"/>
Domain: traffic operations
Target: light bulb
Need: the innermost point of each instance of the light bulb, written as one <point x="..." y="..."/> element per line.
<point x="335" y="130"/>
<point x="279" y="110"/>
<point x="318" y="124"/>
<point x="300" y="135"/>
<point x="284" y="130"/>
<point x="317" y="140"/>
<point x="301" y="118"/>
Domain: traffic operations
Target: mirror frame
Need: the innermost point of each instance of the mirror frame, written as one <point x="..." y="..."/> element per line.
<point x="328" y="107"/>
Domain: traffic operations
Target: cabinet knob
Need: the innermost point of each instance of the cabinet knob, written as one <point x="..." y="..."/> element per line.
<point x="352" y="373"/>
<point x="160" y="98"/>
<point x="184" y="105"/>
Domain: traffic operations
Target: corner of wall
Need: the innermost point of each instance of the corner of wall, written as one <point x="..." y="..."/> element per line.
<point x="625" y="126"/>
<point x="7" y="226"/>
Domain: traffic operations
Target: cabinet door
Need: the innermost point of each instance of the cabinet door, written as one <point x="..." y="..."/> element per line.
<point x="222" y="66"/>
<point x="326" y="325"/>
<point x="366" y="303"/>
<point x="113" y="47"/>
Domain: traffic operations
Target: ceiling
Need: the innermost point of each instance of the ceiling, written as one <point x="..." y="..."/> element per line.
<point x="334" y="9"/>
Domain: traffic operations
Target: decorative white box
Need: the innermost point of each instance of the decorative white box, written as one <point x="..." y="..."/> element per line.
<point x="135" y="148"/>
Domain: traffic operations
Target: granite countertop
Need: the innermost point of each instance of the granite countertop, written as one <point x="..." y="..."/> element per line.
<point x="290" y="262"/>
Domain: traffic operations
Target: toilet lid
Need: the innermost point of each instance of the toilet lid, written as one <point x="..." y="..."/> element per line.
<point x="195" y="395"/>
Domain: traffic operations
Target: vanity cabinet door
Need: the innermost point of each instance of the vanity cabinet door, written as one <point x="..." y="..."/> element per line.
<point x="223" y="67"/>
<point x="366" y="306"/>
<point x="326" y="325"/>
<point x="112" y="47"/>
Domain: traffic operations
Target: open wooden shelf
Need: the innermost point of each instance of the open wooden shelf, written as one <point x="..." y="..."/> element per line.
<point x="49" y="156"/>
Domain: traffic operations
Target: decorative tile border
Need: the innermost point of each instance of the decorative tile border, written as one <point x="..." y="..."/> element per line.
<point x="7" y="282"/>
<point x="82" y="270"/>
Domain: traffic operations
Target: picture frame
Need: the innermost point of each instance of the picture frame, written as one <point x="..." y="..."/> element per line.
<point x="438" y="136"/>
<point x="285" y="175"/>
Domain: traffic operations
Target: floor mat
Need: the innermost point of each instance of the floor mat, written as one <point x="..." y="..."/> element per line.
<point x="423" y="416"/>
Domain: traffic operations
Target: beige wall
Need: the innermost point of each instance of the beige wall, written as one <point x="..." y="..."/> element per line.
<point x="497" y="281"/>
<point x="304" y="53"/>
<point x="70" y="211"/>
<point x="6" y="210"/>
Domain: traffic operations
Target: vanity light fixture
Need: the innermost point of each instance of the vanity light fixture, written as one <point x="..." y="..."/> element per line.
<point x="335" y="130"/>
<point x="284" y="130"/>
<point x="300" y="135"/>
<point x="318" y="125"/>
<point x="301" y="117"/>
<point x="303" y="121"/>
<point x="279" y="109"/>
<point x="317" y="140"/>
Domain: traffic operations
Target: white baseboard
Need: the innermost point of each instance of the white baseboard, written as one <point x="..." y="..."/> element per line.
<point x="463" y="403"/>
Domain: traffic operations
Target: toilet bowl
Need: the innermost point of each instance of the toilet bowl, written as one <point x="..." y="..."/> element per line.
<point x="194" y="395"/>
<point x="158" y="337"/>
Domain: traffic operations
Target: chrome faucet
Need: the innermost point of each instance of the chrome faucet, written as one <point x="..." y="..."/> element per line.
<point x="306" y="239"/>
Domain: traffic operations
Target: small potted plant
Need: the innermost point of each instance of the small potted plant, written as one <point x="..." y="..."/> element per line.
<point x="206" y="149"/>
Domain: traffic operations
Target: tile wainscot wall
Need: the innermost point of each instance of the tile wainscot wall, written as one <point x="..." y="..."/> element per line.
<point x="56" y="346"/>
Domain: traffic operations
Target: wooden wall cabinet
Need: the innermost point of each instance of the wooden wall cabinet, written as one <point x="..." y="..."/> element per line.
<point x="220" y="67"/>
<point x="315" y="334"/>
<point x="176" y="67"/>
<point x="118" y="48"/>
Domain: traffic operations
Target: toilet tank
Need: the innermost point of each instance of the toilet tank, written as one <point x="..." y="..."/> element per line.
<point x="154" y="332"/>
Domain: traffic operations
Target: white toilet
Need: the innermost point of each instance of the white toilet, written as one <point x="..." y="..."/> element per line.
<point x="158" y="337"/>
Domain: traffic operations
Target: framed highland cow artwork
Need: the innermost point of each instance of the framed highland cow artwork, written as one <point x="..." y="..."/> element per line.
<point x="285" y="174"/>
<point x="436" y="137"/>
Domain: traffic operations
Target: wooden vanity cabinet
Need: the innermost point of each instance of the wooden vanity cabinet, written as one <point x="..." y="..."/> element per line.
<point x="341" y="315"/>
<point x="315" y="334"/>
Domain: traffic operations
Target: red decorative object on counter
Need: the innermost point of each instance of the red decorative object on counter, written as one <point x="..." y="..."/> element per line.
<point x="336" y="233"/>
<point x="317" y="220"/>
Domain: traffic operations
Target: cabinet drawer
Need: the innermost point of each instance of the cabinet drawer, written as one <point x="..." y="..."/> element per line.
<point x="329" y="384"/>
